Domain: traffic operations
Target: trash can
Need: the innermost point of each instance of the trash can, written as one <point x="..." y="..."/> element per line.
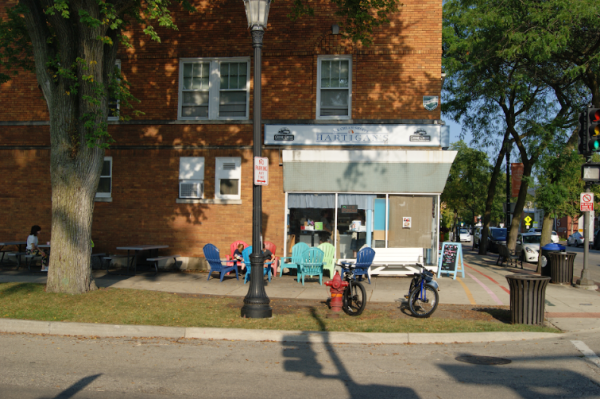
<point x="527" y="298"/>
<point x="547" y="249"/>
<point x="561" y="267"/>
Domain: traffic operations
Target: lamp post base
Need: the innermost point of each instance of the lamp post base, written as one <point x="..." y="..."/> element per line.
<point x="257" y="311"/>
<point x="256" y="302"/>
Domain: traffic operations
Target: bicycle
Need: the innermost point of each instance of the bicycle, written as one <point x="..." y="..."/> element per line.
<point x="423" y="297"/>
<point x="355" y="295"/>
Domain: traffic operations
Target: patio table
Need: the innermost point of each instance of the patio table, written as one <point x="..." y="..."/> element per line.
<point x="3" y="244"/>
<point x="137" y="249"/>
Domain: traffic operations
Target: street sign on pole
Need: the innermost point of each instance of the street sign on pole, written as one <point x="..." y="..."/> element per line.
<point x="586" y="202"/>
<point x="261" y="171"/>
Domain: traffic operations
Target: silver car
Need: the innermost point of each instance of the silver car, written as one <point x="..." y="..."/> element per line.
<point x="575" y="239"/>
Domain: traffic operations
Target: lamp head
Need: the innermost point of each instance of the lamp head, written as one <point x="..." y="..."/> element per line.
<point x="257" y="13"/>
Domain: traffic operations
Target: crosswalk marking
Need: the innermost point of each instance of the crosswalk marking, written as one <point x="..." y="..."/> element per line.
<point x="587" y="352"/>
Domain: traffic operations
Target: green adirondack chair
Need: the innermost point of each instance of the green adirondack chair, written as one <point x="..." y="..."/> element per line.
<point x="311" y="265"/>
<point x="295" y="259"/>
<point x="328" y="258"/>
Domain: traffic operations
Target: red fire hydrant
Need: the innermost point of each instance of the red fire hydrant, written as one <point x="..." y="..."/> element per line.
<point x="337" y="290"/>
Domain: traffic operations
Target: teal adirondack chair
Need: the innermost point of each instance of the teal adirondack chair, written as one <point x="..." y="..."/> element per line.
<point x="328" y="258"/>
<point x="311" y="265"/>
<point x="296" y="258"/>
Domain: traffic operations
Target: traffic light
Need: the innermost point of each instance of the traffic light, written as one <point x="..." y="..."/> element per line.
<point x="593" y="125"/>
<point x="583" y="134"/>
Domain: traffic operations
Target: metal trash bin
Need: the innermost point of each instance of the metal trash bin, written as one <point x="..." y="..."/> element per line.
<point x="547" y="249"/>
<point x="527" y="298"/>
<point x="561" y="267"/>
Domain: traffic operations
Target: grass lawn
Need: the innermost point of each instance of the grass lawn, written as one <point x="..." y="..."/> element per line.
<point x="126" y="306"/>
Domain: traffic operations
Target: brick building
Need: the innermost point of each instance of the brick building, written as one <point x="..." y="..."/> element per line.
<point x="346" y="131"/>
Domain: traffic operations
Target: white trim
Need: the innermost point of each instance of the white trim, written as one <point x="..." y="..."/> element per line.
<point x="285" y="226"/>
<point x="221" y="173"/>
<point x="109" y="194"/>
<point x="318" y="105"/>
<point x="214" y="87"/>
<point x="369" y="156"/>
<point x="116" y="118"/>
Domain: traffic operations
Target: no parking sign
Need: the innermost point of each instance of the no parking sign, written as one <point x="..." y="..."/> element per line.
<point x="586" y="202"/>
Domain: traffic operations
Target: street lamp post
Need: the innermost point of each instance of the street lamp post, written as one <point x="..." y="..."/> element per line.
<point x="256" y="302"/>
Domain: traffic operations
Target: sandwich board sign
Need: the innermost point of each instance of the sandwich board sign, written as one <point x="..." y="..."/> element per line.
<point x="450" y="258"/>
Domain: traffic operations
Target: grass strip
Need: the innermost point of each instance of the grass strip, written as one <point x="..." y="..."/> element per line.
<point x="137" y="307"/>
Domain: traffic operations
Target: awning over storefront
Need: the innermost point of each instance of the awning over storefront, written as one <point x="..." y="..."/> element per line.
<point x="385" y="171"/>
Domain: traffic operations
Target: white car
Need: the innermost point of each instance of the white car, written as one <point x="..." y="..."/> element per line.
<point x="528" y="246"/>
<point x="465" y="235"/>
<point x="554" y="238"/>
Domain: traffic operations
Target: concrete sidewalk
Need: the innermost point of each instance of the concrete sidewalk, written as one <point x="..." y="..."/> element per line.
<point x="568" y="308"/>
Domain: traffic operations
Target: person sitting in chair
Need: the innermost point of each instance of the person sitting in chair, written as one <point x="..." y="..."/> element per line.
<point x="32" y="247"/>
<point x="237" y="255"/>
<point x="270" y="257"/>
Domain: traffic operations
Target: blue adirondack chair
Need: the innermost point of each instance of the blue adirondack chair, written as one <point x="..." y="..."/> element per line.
<point x="296" y="258"/>
<point x="211" y="253"/>
<point x="311" y="265"/>
<point x="364" y="259"/>
<point x="246" y="254"/>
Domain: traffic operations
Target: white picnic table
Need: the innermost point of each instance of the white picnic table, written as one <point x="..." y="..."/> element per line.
<point x="137" y="249"/>
<point x="8" y="243"/>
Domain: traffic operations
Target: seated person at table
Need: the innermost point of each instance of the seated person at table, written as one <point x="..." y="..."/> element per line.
<point x="237" y="255"/>
<point x="269" y="257"/>
<point x="32" y="247"/>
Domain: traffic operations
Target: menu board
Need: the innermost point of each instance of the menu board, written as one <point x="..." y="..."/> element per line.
<point x="449" y="257"/>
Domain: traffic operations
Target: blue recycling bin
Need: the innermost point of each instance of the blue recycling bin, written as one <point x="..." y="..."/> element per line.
<point x="546" y="249"/>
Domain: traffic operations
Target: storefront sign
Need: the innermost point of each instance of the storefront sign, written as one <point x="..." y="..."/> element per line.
<point x="430" y="102"/>
<point x="349" y="208"/>
<point x="359" y="135"/>
<point x="261" y="171"/>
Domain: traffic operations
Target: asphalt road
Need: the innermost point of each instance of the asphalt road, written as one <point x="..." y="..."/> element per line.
<point x="35" y="366"/>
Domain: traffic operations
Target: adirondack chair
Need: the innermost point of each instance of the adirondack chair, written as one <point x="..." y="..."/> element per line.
<point x="364" y="259"/>
<point x="328" y="258"/>
<point x="295" y="259"/>
<point x="311" y="265"/>
<point x="266" y="270"/>
<point x="273" y="248"/>
<point x="211" y="253"/>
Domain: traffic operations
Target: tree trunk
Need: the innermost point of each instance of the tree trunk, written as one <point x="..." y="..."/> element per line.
<point x="545" y="239"/>
<point x="487" y="214"/>
<point x="514" y="227"/>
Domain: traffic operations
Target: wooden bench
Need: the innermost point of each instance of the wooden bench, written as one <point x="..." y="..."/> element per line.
<point x="110" y="258"/>
<point x="159" y="258"/>
<point x="504" y="255"/>
<point x="28" y="259"/>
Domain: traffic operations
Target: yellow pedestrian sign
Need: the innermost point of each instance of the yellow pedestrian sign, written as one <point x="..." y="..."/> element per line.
<point x="527" y="219"/>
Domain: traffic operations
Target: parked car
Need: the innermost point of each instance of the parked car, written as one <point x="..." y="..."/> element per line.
<point x="554" y="238"/>
<point x="575" y="239"/>
<point x="497" y="236"/>
<point x="465" y="235"/>
<point x="528" y="246"/>
<point x="477" y="237"/>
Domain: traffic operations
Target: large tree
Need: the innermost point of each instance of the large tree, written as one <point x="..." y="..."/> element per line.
<point x="498" y="72"/>
<point x="71" y="46"/>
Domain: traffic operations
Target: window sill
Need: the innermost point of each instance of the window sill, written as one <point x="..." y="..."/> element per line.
<point x="209" y="201"/>
<point x="102" y="199"/>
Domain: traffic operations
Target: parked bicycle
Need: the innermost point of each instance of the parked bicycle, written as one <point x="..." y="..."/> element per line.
<point x="423" y="297"/>
<point x="355" y="295"/>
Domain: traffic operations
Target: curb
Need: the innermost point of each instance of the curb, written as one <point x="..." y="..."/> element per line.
<point x="239" y="334"/>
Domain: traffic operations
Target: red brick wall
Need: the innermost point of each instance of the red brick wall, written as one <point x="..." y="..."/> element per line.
<point x="388" y="82"/>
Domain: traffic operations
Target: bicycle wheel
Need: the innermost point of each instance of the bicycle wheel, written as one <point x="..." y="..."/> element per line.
<point x="423" y="306"/>
<point x="355" y="299"/>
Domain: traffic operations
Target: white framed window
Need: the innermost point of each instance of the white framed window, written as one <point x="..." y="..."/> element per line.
<point x="228" y="177"/>
<point x="191" y="177"/>
<point x="334" y="87"/>
<point x="214" y="88"/>
<point x="104" y="189"/>
<point x="114" y="104"/>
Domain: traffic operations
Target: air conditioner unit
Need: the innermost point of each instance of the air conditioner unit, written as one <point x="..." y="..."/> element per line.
<point x="191" y="188"/>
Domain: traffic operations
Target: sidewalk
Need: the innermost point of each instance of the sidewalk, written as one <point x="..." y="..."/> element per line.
<point x="570" y="309"/>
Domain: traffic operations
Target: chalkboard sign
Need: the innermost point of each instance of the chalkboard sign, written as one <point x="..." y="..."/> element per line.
<point x="449" y="255"/>
<point x="450" y="260"/>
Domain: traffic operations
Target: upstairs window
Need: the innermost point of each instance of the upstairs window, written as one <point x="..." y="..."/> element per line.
<point x="191" y="177"/>
<point x="213" y="88"/>
<point x="334" y="91"/>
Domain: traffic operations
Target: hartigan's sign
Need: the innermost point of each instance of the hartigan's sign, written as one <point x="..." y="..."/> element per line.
<point x="360" y="135"/>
